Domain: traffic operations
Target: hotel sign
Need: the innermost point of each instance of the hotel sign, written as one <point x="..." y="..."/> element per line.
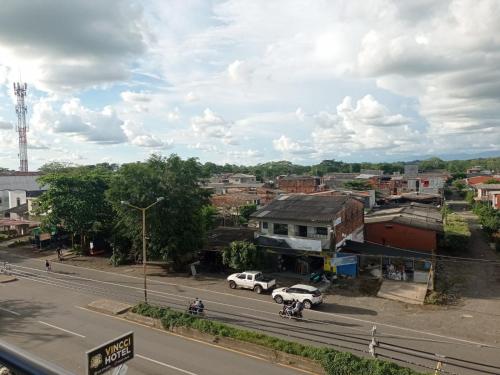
<point x="110" y="355"/>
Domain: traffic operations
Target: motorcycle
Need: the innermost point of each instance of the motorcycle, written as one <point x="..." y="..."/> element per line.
<point x="196" y="310"/>
<point x="288" y="312"/>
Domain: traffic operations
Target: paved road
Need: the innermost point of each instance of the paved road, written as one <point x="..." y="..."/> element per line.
<point x="51" y="323"/>
<point x="341" y="330"/>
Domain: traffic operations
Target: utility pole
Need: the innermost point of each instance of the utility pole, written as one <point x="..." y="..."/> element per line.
<point x="143" y="211"/>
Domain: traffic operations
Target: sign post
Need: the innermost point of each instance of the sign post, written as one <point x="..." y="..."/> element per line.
<point x="110" y="355"/>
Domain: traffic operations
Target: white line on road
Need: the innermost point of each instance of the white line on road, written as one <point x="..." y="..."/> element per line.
<point x="165" y="364"/>
<point x="10" y="311"/>
<point x="61" y="329"/>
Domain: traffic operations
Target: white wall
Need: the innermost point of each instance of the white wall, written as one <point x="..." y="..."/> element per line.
<point x="14" y="194"/>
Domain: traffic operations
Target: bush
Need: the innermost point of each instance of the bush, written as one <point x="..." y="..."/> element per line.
<point x="242" y="255"/>
<point x="334" y="362"/>
<point x="456" y="233"/>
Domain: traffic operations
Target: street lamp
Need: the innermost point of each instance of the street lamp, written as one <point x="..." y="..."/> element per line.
<point x="143" y="210"/>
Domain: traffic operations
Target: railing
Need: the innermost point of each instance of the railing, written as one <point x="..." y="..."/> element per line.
<point x="24" y="363"/>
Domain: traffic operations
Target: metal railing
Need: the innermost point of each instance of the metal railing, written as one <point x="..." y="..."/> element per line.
<point x="24" y="363"/>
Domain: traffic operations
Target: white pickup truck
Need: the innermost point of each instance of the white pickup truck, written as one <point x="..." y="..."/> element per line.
<point x="251" y="280"/>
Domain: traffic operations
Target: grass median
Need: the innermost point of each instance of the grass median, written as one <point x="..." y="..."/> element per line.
<point x="333" y="361"/>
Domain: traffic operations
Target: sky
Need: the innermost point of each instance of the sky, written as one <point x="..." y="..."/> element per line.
<point x="247" y="82"/>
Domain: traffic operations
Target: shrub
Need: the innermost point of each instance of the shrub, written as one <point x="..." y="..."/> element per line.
<point x="456" y="233"/>
<point x="334" y="362"/>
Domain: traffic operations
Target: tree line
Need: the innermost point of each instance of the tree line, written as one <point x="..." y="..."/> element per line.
<point x="88" y="202"/>
<point x="270" y="170"/>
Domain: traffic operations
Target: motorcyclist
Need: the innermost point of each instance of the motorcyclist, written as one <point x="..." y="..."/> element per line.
<point x="193" y="307"/>
<point x="200" y="306"/>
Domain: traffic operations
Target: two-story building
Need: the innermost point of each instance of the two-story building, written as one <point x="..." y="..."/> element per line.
<point x="305" y="230"/>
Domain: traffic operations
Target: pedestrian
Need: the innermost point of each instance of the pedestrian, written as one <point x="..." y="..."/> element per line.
<point x="59" y="253"/>
<point x="47" y="266"/>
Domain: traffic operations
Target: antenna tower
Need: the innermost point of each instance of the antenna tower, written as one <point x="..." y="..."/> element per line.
<point x="21" y="128"/>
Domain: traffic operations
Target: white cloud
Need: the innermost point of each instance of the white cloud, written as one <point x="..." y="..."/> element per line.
<point x="210" y="125"/>
<point x="136" y="97"/>
<point x="174" y="115"/>
<point x="191" y="97"/>
<point x="288" y="146"/>
<point x="139" y="137"/>
<point x="364" y="126"/>
<point x="77" y="121"/>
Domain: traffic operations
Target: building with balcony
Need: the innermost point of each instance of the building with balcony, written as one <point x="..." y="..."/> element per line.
<point x="304" y="230"/>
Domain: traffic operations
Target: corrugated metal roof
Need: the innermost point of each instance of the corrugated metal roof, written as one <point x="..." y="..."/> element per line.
<point x="26" y="183"/>
<point x="303" y="207"/>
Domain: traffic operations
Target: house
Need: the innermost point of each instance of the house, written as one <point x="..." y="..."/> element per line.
<point x="241" y="178"/>
<point x="303" y="230"/>
<point x="471" y="181"/>
<point x="488" y="193"/>
<point x="300" y="184"/>
<point x="16" y="190"/>
<point x="365" y="196"/>
<point x="412" y="227"/>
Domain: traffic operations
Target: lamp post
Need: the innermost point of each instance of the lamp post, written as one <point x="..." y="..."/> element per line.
<point x="143" y="210"/>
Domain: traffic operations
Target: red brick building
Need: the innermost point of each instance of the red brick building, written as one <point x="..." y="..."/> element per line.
<point x="411" y="228"/>
<point x="299" y="184"/>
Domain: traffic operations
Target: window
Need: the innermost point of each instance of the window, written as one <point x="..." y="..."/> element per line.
<point x="242" y="277"/>
<point x="0" y="200"/>
<point x="249" y="277"/>
<point x="265" y="225"/>
<point x="18" y="200"/>
<point x="301" y="231"/>
<point x="322" y="231"/>
<point x="280" y="229"/>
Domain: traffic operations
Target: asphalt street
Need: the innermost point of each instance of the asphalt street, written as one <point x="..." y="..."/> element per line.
<point x="416" y="348"/>
<point x="53" y="323"/>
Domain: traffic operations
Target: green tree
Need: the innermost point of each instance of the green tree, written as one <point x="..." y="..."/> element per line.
<point x="75" y="199"/>
<point x="247" y="210"/>
<point x="242" y="255"/>
<point x="55" y="166"/>
<point x="431" y="164"/>
<point x="176" y="227"/>
<point x="358" y="185"/>
<point x="209" y="214"/>
<point x="492" y="181"/>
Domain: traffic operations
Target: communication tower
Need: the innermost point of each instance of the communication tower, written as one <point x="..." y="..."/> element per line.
<point x="21" y="128"/>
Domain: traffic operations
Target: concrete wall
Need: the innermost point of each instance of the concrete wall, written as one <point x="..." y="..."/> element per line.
<point x="402" y="236"/>
<point x="303" y="185"/>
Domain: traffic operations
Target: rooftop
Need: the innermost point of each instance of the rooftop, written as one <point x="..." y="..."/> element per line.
<point x="488" y="186"/>
<point x="26" y="183"/>
<point x="414" y="216"/>
<point x="380" y="250"/>
<point x="311" y="208"/>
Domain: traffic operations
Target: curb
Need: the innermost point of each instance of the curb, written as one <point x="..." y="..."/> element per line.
<point x="255" y="350"/>
<point x="270" y="355"/>
<point x="7" y="279"/>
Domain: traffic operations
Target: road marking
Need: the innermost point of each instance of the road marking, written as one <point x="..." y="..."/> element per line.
<point x="61" y="329"/>
<point x="10" y="311"/>
<point x="194" y="340"/>
<point x="165" y="364"/>
<point x="370" y="322"/>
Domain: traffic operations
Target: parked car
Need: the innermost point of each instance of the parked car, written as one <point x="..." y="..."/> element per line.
<point x="254" y="280"/>
<point x="309" y="295"/>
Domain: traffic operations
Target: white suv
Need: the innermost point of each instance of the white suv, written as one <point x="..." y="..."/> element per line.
<point x="308" y="295"/>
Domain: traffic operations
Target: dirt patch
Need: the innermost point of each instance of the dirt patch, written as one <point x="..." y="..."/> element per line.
<point x="356" y="287"/>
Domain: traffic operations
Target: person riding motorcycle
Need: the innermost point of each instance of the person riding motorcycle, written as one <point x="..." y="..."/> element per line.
<point x="196" y="307"/>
